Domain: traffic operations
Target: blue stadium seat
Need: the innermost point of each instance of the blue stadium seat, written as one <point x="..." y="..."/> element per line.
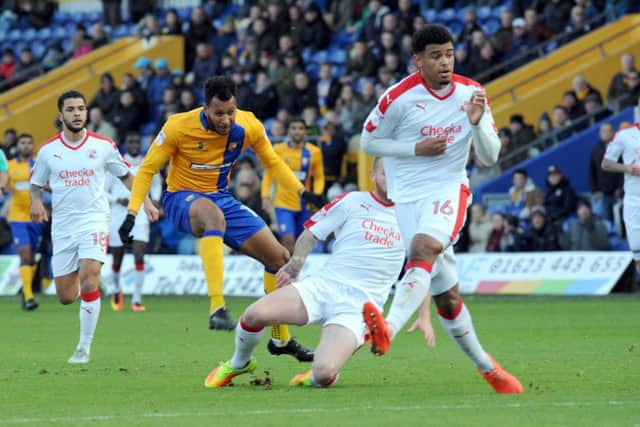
<point x="344" y="39"/>
<point x="29" y="34"/>
<point x="455" y="27"/>
<point x="38" y="50"/>
<point x="483" y="12"/>
<point x="491" y="26"/>
<point x="337" y="71"/>
<point x="95" y="16"/>
<point x="319" y="57"/>
<point x="446" y="15"/>
<point x="147" y="129"/>
<point x="567" y="223"/>
<point x="267" y="125"/>
<point x="66" y="45"/>
<point x="337" y="56"/>
<point x="430" y="15"/>
<point x="14" y="35"/>
<point x="233" y="10"/>
<point x="618" y="244"/>
<point x="184" y="13"/>
<point x="120" y="31"/>
<point x="59" y="33"/>
<point x="44" y="33"/>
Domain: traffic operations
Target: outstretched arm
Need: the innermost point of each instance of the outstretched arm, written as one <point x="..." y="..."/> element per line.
<point x="290" y="271"/>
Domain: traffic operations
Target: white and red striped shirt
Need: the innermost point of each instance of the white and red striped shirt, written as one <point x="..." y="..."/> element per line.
<point x="76" y="174"/>
<point x="410" y="112"/>
<point x="368" y="251"/>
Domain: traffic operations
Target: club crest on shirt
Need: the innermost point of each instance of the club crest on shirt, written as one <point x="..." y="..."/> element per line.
<point x="92" y="154"/>
<point x="160" y="138"/>
<point x="200" y="146"/>
<point x="233" y="145"/>
<point x="189" y="198"/>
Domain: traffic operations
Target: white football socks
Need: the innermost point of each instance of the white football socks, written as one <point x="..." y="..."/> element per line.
<point x="137" y="288"/>
<point x="247" y="339"/>
<point x="460" y="327"/>
<point x="410" y="293"/>
<point x="89" y="314"/>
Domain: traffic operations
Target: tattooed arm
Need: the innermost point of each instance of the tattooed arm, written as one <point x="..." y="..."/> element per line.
<point x="290" y="271"/>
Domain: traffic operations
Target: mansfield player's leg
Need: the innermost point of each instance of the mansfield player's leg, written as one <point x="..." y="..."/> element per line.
<point x="281" y="306"/>
<point x="337" y="345"/>
<point x="264" y="247"/>
<point x="20" y="231"/>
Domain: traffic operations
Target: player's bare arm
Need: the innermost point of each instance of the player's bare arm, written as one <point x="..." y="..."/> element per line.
<point x="290" y="271"/>
<point x="149" y="208"/>
<point x="610" y="166"/>
<point x="38" y="211"/>
<point x="423" y="323"/>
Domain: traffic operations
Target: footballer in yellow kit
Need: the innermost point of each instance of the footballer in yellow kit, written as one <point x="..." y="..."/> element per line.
<point x="305" y="160"/>
<point x="202" y="146"/>
<point x="26" y="234"/>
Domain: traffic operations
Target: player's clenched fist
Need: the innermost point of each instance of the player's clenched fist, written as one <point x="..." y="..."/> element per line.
<point x="476" y="106"/>
<point x="432" y="146"/>
<point x="38" y="212"/>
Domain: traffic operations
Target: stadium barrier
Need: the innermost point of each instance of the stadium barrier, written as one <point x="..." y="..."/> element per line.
<point x="549" y="273"/>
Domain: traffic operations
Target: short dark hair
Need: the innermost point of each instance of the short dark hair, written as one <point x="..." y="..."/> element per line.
<point x="431" y="34"/>
<point x="296" y="119"/>
<point x="221" y="87"/>
<point x="521" y="171"/>
<point x="70" y="94"/>
<point x="25" y="135"/>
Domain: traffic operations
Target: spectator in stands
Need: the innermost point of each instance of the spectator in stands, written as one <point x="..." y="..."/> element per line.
<point x="539" y="32"/>
<point x="524" y="194"/>
<point x="485" y="62"/>
<point x="263" y="97"/>
<point x="214" y="8"/>
<point x="334" y="147"/>
<point x="373" y="22"/>
<point x="361" y="62"/>
<point x="54" y="56"/>
<point x="470" y="25"/>
<point x="577" y="26"/>
<point x="582" y="88"/>
<point x="111" y="14"/>
<point x="284" y="77"/>
<point x="263" y="36"/>
<point x="556" y="15"/>
<point x="497" y="231"/>
<point x="388" y="44"/>
<point x="226" y="35"/>
<point x="502" y="39"/>
<point x="480" y="228"/>
<point x="169" y="102"/>
<point x="172" y="24"/>
<point x="34" y="13"/>
<point x="99" y="37"/>
<point x="349" y="110"/>
<point x="158" y="83"/>
<point x="562" y="125"/>
<point x="277" y="18"/>
<point x="512" y="237"/>
<point x="186" y="101"/>
<point x="277" y="131"/>
<point x="478" y="39"/>
<point x="206" y="64"/>
<point x="605" y="186"/>
<point x="575" y="108"/>
<point x="148" y="27"/>
<point x="107" y="97"/>
<point x="617" y="86"/>
<point x="139" y="8"/>
<point x="389" y="25"/>
<point x="130" y="83"/>
<point x="246" y="189"/>
<point x="81" y="42"/>
<point x="304" y="95"/>
<point x="523" y="41"/>
<point x="99" y="125"/>
<point x="508" y="146"/>
<point x="296" y="21"/>
<point x="8" y="65"/>
<point x="560" y="200"/>
<point x="145" y="71"/>
<point x="27" y="68"/>
<point x="200" y="31"/>
<point x="461" y="62"/>
<point x="522" y="133"/>
<point x="9" y="143"/>
<point x="545" y="130"/>
<point x="588" y="233"/>
<point x="327" y="88"/>
<point x="594" y="108"/>
<point x="406" y="13"/>
<point x="286" y="44"/>
<point x="126" y="116"/>
<point x="543" y="235"/>
<point x="632" y="91"/>
<point x="310" y="117"/>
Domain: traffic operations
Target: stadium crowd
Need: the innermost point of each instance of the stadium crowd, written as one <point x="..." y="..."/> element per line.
<point x="328" y="66"/>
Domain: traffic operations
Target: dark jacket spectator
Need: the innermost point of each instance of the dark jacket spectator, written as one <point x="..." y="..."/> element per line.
<point x="616" y="85"/>
<point x="575" y="109"/>
<point x="556" y="15"/>
<point x="107" y="97"/>
<point x="588" y="233"/>
<point x="361" y="62"/>
<point x="524" y="194"/>
<point x="470" y="25"/>
<point x="522" y="133"/>
<point x="27" y="68"/>
<point x="602" y="181"/>
<point x="543" y="235"/>
<point x="632" y="91"/>
<point x="126" y="116"/>
<point x="334" y="146"/>
<point x="497" y="231"/>
<point x="160" y="81"/>
<point x="172" y="25"/>
<point x="304" y="94"/>
<point x="263" y="98"/>
<point x="327" y="87"/>
<point x="200" y="31"/>
<point x="206" y="64"/>
<point x="560" y="200"/>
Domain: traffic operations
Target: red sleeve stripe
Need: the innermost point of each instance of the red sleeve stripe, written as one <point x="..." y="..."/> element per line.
<point x="370" y="127"/>
<point x="309" y="223"/>
<point x="465" y="81"/>
<point x="395" y="93"/>
<point x="103" y="138"/>
<point x="463" y="197"/>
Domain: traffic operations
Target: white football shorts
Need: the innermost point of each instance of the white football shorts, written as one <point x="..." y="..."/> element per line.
<point x="72" y="247"/>
<point x="333" y="303"/>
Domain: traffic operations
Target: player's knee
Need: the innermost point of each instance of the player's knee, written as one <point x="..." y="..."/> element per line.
<point x="426" y="247"/>
<point x="324" y="371"/>
<point x="253" y="316"/>
<point x="448" y="301"/>
<point x="67" y="298"/>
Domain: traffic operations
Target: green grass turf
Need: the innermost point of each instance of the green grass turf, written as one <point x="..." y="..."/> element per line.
<point x="579" y="359"/>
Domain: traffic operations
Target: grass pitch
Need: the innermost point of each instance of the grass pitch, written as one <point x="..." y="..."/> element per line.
<point x="578" y="358"/>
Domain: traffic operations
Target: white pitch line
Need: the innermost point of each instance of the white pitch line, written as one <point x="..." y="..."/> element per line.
<point x="616" y="403"/>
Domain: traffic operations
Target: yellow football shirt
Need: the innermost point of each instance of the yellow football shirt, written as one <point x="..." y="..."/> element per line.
<point x="19" y="176"/>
